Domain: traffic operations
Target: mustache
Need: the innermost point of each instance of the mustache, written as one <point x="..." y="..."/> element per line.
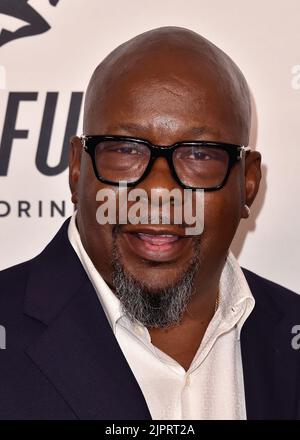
<point x="154" y="219"/>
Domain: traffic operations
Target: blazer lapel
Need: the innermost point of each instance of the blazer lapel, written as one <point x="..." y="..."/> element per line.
<point x="78" y="351"/>
<point x="270" y="365"/>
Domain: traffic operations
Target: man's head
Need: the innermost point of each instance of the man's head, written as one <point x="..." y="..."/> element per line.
<point x="165" y="85"/>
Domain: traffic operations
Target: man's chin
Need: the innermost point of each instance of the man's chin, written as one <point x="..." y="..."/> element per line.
<point x="154" y="276"/>
<point x="145" y="296"/>
<point x="154" y="279"/>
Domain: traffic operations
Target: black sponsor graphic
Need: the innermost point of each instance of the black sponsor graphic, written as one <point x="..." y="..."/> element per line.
<point x="10" y="132"/>
<point x="35" y="208"/>
<point x="36" y="24"/>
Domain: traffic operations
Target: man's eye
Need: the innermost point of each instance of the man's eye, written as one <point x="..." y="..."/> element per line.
<point x="126" y="150"/>
<point x="198" y="155"/>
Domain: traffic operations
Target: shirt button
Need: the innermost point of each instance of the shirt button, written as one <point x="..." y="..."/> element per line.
<point x="137" y="329"/>
<point x="140" y="330"/>
<point x="187" y="381"/>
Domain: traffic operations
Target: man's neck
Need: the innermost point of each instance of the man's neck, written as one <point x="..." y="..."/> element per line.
<point x="182" y="341"/>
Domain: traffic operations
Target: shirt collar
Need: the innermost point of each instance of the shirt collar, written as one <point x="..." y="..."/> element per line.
<point x="110" y="303"/>
<point x="236" y="300"/>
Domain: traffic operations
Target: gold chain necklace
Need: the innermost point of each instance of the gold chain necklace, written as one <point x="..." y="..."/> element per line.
<point x="217" y="301"/>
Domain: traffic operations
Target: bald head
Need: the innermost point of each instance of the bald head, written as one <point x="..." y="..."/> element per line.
<point x="179" y="60"/>
<point x="165" y="86"/>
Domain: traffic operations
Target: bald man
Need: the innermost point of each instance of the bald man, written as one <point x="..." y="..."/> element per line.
<point x="143" y="320"/>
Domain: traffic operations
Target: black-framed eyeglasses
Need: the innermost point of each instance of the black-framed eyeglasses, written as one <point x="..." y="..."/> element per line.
<point x="194" y="164"/>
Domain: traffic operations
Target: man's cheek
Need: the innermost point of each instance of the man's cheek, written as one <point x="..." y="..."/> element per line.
<point x="214" y="211"/>
<point x="221" y="216"/>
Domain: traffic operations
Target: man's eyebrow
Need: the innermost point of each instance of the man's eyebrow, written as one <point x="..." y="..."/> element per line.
<point x="131" y="127"/>
<point x="199" y="131"/>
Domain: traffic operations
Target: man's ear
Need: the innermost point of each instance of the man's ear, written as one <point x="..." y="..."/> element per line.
<point x="252" y="179"/>
<point x="75" y="153"/>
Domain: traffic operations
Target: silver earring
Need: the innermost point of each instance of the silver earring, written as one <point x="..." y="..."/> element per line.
<point x="247" y="210"/>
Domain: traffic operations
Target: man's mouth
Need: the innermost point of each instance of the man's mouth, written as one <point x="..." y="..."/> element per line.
<point x="156" y="244"/>
<point x="157" y="240"/>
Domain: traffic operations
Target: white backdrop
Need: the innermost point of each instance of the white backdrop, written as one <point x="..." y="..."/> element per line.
<point x="262" y="38"/>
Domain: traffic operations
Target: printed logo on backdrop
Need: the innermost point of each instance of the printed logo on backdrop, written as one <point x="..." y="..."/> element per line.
<point x="33" y="22"/>
<point x="20" y="19"/>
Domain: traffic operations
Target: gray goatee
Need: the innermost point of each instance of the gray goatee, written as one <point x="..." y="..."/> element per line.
<point x="155" y="309"/>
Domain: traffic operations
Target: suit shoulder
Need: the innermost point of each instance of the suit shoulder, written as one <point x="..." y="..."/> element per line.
<point x="13" y="280"/>
<point x="15" y="271"/>
<point x="263" y="287"/>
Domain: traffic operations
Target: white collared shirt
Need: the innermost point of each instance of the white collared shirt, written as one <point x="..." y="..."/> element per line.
<point x="213" y="386"/>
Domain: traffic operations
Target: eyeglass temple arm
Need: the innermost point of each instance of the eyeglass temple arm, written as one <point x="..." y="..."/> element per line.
<point x="83" y="139"/>
<point x="243" y="149"/>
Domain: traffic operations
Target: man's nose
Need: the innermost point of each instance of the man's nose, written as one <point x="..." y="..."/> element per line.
<point x="159" y="185"/>
<point x="160" y="176"/>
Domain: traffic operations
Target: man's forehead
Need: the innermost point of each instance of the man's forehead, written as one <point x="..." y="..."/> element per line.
<point x="191" y="131"/>
<point x="172" y="61"/>
<point x="160" y="115"/>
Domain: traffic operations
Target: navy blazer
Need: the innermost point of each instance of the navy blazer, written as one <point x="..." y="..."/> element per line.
<point x="62" y="360"/>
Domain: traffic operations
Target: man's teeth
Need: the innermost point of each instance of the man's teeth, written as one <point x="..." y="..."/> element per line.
<point x="157" y="239"/>
<point x="157" y="235"/>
